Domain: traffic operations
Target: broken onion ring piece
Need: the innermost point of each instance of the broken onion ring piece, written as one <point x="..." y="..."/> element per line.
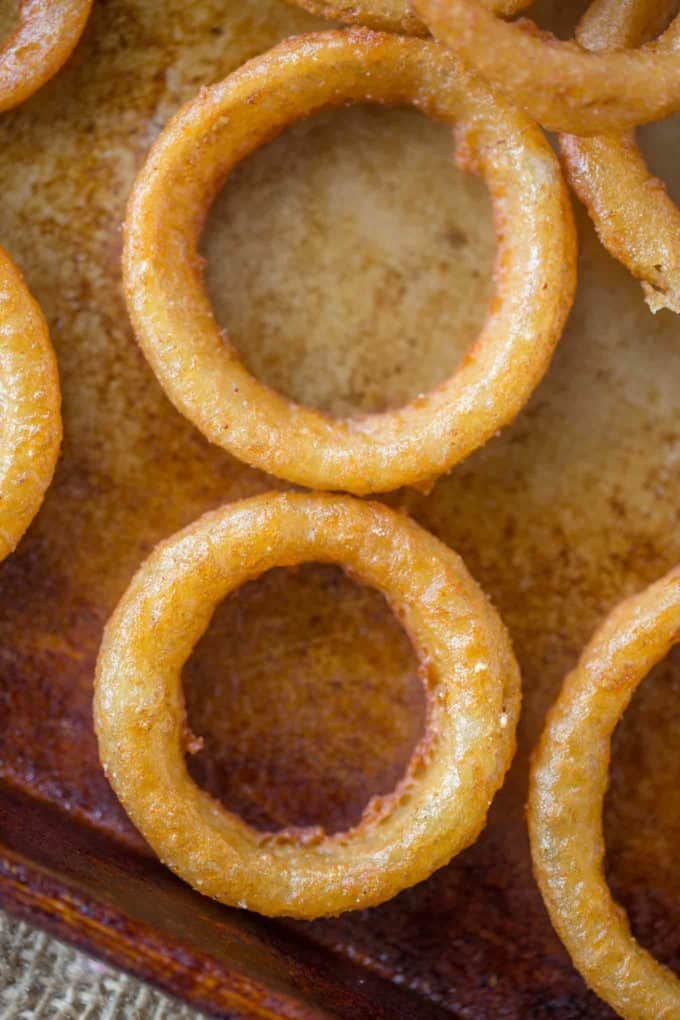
<point x="564" y="86"/>
<point x="635" y="217"/>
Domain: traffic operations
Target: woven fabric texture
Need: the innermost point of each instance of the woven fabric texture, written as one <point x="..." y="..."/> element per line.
<point x="43" y="979"/>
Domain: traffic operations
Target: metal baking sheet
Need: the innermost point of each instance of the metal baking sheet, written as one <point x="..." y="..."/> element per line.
<point x="352" y="263"/>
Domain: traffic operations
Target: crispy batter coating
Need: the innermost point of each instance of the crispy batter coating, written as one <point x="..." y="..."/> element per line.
<point x="30" y="419"/>
<point x="468" y="669"/>
<point x="635" y="218"/>
<point x="45" y="36"/>
<point x="201" y="372"/>
<point x="387" y="15"/>
<point x="568" y="784"/>
<point x="562" y="85"/>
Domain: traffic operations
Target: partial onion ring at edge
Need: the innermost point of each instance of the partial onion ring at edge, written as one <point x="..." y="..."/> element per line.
<point x="560" y="84"/>
<point x="387" y="15"/>
<point x="30" y="419"/>
<point x="568" y="784"/>
<point x="201" y="372"/>
<point x="46" y="34"/>
<point x="468" y="669"/>
<point x="635" y="218"/>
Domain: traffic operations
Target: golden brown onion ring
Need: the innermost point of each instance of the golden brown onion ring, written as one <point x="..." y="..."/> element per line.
<point x="467" y="666"/>
<point x="30" y="420"/>
<point x="387" y="15"/>
<point x="568" y="783"/>
<point x="634" y="216"/>
<point x="45" y="37"/>
<point x="562" y="85"/>
<point x="193" y="360"/>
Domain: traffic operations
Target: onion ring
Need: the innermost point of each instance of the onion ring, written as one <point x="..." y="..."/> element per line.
<point x="45" y="37"/>
<point x="387" y="15"/>
<point x="568" y="783"/>
<point x="562" y="85"/>
<point x="30" y="420"/>
<point x="467" y="666"/>
<point x="634" y="216"/>
<point x="201" y="372"/>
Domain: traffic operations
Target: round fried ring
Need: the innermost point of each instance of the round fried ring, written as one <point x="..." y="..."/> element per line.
<point x="568" y="783"/>
<point x="30" y="419"/>
<point x="562" y="85"/>
<point x="635" y="218"/>
<point x="44" y="38"/>
<point x="468" y="669"/>
<point x="387" y="15"/>
<point x="193" y="360"/>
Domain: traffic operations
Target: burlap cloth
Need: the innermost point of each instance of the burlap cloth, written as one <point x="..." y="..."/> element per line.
<point x="42" y="979"/>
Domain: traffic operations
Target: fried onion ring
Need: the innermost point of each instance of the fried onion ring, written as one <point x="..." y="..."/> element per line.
<point x="568" y="783"/>
<point x="635" y="218"/>
<point x="387" y="15"/>
<point x="30" y="420"/>
<point x="468" y="669"/>
<point x="45" y="37"/>
<point x="193" y="360"/>
<point x="562" y="85"/>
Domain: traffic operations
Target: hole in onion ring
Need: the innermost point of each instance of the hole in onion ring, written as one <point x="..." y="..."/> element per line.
<point x="346" y="201"/>
<point x="9" y="18"/>
<point x="641" y="820"/>
<point x="558" y="16"/>
<point x="658" y="142"/>
<point x="306" y="693"/>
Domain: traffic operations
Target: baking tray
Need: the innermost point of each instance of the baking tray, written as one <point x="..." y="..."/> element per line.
<point x="353" y="264"/>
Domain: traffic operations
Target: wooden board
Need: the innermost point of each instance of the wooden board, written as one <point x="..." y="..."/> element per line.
<point x="352" y="263"/>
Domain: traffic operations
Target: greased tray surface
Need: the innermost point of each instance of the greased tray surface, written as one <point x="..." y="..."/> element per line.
<point x="352" y="263"/>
